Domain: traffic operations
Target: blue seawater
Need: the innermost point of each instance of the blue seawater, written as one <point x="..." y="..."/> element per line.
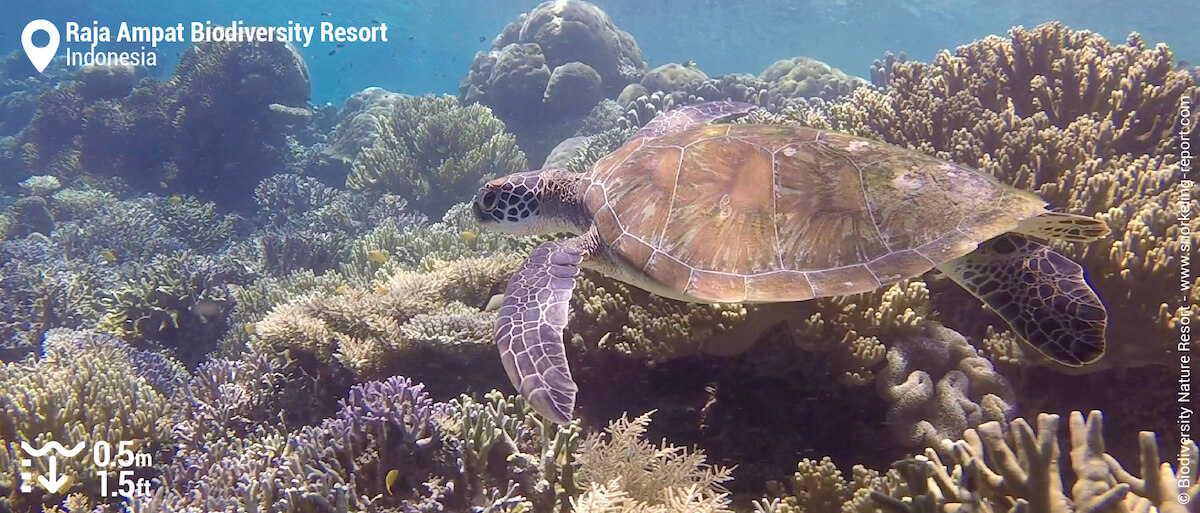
<point x="433" y="42"/>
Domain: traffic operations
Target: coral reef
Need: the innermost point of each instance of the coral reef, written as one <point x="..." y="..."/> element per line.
<point x="671" y="77"/>
<point x="625" y="473"/>
<point x="20" y="87"/>
<point x="435" y="152"/>
<point x="999" y="467"/>
<point x="1088" y="125"/>
<point x="939" y="386"/>
<point x="802" y="77"/>
<point x="44" y="400"/>
<point x="396" y="321"/>
<point x="549" y="67"/>
<point x="159" y="134"/>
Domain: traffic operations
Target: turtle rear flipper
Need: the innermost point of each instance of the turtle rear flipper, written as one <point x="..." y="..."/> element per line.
<point x="1063" y="226"/>
<point x="529" y="330"/>
<point x="1041" y="294"/>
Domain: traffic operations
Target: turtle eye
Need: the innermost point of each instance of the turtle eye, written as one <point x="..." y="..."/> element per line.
<point x="488" y="201"/>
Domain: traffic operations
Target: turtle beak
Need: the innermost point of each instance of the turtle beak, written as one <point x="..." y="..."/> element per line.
<point x="480" y="217"/>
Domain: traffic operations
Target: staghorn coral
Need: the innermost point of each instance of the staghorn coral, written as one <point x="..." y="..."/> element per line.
<point x="625" y="473"/>
<point x="389" y="427"/>
<point x="79" y="392"/>
<point x="939" y="386"/>
<point x="434" y="151"/>
<point x="993" y="467"/>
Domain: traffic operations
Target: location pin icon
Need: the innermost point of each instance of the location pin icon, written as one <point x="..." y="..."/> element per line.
<point x="40" y="57"/>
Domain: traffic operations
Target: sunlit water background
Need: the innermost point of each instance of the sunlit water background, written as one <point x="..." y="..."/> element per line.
<point x="432" y="43"/>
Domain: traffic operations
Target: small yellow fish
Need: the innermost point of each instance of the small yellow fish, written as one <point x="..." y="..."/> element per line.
<point x="469" y="235"/>
<point x="380" y="289"/>
<point x="343" y="289"/>
<point x="250" y="328"/>
<point x="175" y="199"/>
<point x="377" y="256"/>
<point x="108" y="256"/>
<point x="390" y="480"/>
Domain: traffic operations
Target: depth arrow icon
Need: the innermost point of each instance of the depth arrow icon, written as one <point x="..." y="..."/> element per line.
<point x="54" y="482"/>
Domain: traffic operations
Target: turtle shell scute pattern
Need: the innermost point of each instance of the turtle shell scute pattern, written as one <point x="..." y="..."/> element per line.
<point x="763" y="213"/>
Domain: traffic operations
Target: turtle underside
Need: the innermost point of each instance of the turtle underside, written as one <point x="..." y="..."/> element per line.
<point x="764" y="213"/>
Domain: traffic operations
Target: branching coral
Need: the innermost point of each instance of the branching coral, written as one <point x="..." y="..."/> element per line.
<point x="178" y="300"/>
<point x="1019" y="467"/>
<point x="81" y="391"/>
<point x="625" y="473"/>
<point x="390" y="447"/>
<point x="435" y="152"/>
<point x="505" y="441"/>
<point x="819" y="487"/>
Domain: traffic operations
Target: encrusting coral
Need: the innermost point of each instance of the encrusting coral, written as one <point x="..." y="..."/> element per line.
<point x="435" y="152"/>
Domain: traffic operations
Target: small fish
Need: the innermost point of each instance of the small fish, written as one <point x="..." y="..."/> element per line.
<point x="410" y="38"/>
<point x="331" y="52"/>
<point x="341" y="45"/>
<point x="468" y="235"/>
<point x="380" y="289"/>
<point x="482" y="39"/>
<point x="689" y="64"/>
<point x="250" y="328"/>
<point x="343" y="289"/>
<point x="375" y="22"/>
<point x="390" y="480"/>
<point x="108" y="256"/>
<point x="207" y="308"/>
<point x="377" y="256"/>
<point x="175" y="199"/>
<point x="326" y="13"/>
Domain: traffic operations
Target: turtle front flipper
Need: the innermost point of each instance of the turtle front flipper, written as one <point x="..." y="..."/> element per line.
<point x="692" y="116"/>
<point x="1041" y="294"/>
<point x="529" y="330"/>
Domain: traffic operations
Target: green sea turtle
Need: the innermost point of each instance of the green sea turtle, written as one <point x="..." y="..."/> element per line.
<point x="698" y="211"/>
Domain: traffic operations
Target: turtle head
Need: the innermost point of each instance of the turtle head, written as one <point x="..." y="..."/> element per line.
<point x="526" y="203"/>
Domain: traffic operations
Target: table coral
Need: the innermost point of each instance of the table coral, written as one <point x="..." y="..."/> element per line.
<point x="435" y="152"/>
